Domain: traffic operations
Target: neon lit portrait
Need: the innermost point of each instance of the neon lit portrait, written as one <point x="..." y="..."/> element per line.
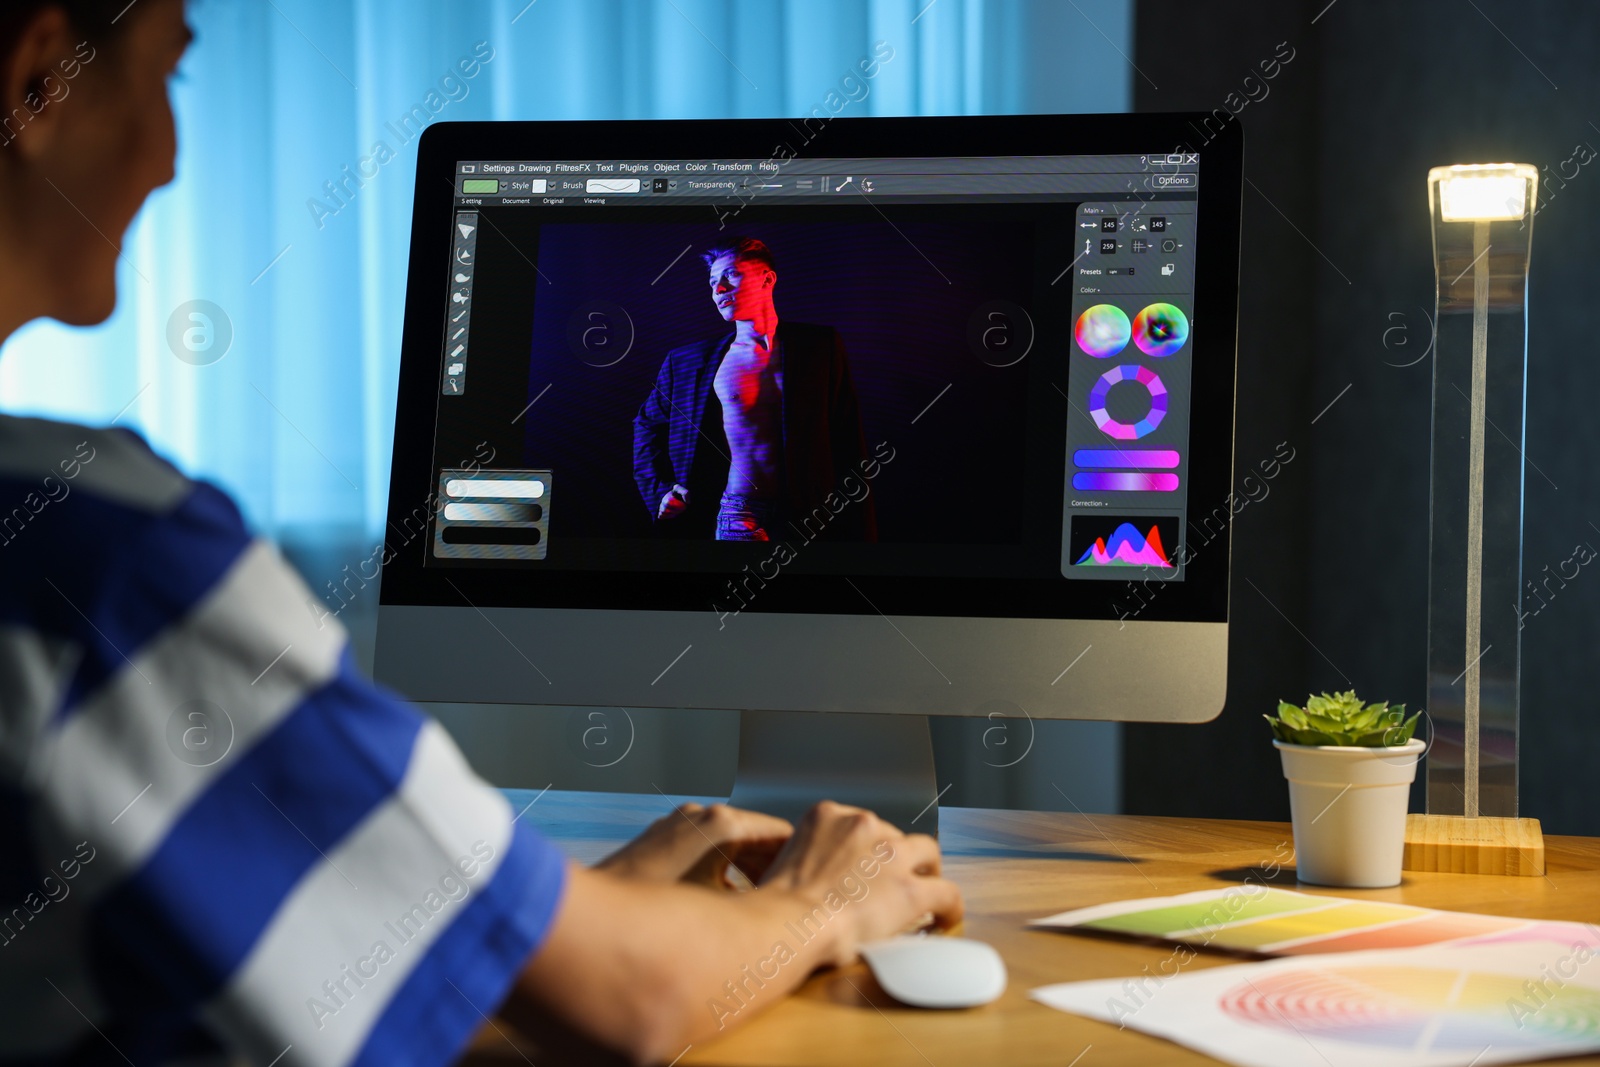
<point x="748" y="432"/>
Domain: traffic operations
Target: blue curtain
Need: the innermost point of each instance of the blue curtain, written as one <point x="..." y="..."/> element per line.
<point x="290" y="218"/>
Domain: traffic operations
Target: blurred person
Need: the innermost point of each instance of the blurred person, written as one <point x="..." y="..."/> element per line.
<point x="336" y="886"/>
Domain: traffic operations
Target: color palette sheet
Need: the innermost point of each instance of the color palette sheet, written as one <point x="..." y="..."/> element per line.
<point x="1281" y="922"/>
<point x="1440" y="1006"/>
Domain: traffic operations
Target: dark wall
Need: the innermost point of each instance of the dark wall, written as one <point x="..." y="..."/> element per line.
<point x="1192" y="62"/>
<point x="1330" y="571"/>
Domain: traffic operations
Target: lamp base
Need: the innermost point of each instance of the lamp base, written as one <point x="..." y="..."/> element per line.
<point x="1455" y="844"/>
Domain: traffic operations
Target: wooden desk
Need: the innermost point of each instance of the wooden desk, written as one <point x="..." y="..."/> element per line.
<point x="1015" y="866"/>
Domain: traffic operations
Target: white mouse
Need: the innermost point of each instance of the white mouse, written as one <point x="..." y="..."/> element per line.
<point x="936" y="972"/>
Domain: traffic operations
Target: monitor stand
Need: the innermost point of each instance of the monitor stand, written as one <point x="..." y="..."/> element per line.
<point x="789" y="760"/>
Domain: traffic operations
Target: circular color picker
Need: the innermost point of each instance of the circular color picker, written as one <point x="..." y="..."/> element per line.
<point x="1103" y="331"/>
<point x="1160" y="330"/>
<point x="1128" y="431"/>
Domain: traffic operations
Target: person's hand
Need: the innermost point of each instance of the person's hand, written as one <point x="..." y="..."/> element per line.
<point x="868" y="879"/>
<point x="672" y="505"/>
<point x="698" y="844"/>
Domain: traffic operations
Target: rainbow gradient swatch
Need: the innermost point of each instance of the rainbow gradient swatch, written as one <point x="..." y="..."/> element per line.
<point x="1121" y="482"/>
<point x="1137" y="459"/>
<point x="1284" y="922"/>
<point x="1103" y="330"/>
<point x="1128" y="431"/>
<point x="1160" y="330"/>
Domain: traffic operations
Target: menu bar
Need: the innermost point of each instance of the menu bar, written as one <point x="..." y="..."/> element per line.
<point x="646" y="168"/>
<point x="622" y="181"/>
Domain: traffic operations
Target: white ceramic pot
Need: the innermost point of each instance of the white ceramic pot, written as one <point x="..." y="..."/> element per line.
<point x="1349" y="808"/>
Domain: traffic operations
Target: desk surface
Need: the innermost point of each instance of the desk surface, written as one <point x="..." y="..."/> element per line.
<point x="1015" y="866"/>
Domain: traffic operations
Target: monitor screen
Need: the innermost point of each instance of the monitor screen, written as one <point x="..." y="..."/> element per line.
<point x="910" y="384"/>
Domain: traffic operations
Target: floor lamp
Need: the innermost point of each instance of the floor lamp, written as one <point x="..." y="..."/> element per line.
<point x="1482" y="234"/>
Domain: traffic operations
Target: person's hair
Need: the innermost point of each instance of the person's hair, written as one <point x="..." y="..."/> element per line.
<point x="97" y="21"/>
<point x="740" y="248"/>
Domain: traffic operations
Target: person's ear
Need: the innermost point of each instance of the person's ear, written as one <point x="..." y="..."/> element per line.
<point x="772" y="278"/>
<point x="29" y="116"/>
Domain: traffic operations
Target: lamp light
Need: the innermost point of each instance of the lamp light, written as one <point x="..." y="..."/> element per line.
<point x="1486" y="192"/>
<point x="1482" y="233"/>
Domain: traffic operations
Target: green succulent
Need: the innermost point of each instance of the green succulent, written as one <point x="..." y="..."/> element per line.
<point x="1341" y="719"/>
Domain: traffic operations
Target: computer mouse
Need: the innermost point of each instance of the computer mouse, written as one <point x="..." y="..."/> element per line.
<point x="936" y="972"/>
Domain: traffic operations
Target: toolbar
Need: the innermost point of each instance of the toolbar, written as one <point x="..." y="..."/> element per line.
<point x="622" y="181"/>
<point x="458" y="305"/>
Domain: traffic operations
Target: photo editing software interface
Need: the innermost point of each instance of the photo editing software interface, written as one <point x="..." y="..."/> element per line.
<point x="969" y="368"/>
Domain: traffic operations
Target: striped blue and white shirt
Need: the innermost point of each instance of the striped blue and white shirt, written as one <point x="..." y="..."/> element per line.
<point x="217" y="839"/>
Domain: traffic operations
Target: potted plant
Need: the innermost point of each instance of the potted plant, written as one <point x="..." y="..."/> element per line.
<point x="1350" y="768"/>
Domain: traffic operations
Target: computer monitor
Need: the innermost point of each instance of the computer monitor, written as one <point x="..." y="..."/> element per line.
<point x="852" y="421"/>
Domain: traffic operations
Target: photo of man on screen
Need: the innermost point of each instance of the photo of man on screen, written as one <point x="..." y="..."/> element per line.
<point x="756" y="427"/>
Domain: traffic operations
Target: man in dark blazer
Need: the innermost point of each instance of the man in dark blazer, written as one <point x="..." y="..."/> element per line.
<point x="751" y="436"/>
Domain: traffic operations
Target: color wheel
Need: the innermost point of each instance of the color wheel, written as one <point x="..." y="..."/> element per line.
<point x="1103" y="330"/>
<point x="1420" y="1008"/>
<point x="1128" y="431"/>
<point x="1160" y="330"/>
